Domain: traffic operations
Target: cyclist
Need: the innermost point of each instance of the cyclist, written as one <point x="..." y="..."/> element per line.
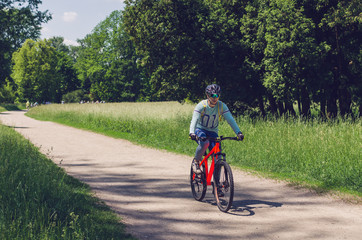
<point x="205" y="122"/>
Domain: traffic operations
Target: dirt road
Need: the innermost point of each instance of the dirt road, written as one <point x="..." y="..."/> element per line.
<point x="150" y="190"/>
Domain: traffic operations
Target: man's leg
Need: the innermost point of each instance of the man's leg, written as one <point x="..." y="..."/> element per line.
<point x="200" y="150"/>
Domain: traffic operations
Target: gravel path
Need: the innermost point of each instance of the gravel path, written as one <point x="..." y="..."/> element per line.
<point x="150" y="190"/>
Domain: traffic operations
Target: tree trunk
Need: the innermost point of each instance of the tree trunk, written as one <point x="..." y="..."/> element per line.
<point x="273" y="105"/>
<point x="281" y="108"/>
<point x="305" y="102"/>
<point x="344" y="102"/>
<point x="299" y="107"/>
<point x="323" y="108"/>
<point x="332" y="109"/>
<point x="261" y="105"/>
<point x="322" y="112"/>
<point x="289" y="107"/>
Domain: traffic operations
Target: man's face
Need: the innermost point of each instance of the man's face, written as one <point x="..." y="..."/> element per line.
<point x="213" y="98"/>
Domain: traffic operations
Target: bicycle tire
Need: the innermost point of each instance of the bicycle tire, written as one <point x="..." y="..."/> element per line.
<point x="223" y="186"/>
<point x="198" y="185"/>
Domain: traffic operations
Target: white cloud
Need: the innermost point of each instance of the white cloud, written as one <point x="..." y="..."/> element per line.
<point x="70" y="42"/>
<point x="69" y="16"/>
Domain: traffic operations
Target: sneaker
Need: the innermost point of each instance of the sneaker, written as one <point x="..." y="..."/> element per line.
<point x="196" y="167"/>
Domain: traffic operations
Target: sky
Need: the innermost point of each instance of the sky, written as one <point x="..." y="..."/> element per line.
<point x="74" y="19"/>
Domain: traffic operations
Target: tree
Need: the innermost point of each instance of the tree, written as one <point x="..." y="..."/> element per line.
<point x="167" y="36"/>
<point x="41" y="73"/>
<point x="289" y="54"/>
<point x="65" y="68"/>
<point x="338" y="25"/>
<point x="294" y="50"/>
<point x="229" y="60"/>
<point x="7" y="93"/>
<point x="342" y="27"/>
<point x="33" y="71"/>
<point x="66" y="75"/>
<point x="19" y="20"/>
<point x="58" y="44"/>
<point x="106" y="62"/>
<point x="267" y="54"/>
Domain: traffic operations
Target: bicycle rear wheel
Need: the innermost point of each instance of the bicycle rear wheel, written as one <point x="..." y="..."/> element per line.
<point x="223" y="186"/>
<point x="198" y="184"/>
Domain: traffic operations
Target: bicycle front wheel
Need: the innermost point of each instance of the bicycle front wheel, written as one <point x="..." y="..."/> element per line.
<point x="198" y="184"/>
<point x="223" y="186"/>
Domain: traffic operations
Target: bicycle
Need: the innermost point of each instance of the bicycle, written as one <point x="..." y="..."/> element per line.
<point x="223" y="184"/>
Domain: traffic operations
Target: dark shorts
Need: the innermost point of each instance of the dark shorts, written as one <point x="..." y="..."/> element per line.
<point x="204" y="133"/>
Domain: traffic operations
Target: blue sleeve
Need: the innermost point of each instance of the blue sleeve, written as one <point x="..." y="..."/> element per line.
<point x="196" y="116"/>
<point x="229" y="118"/>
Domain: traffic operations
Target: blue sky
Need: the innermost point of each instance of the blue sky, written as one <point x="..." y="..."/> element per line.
<point x="74" y="19"/>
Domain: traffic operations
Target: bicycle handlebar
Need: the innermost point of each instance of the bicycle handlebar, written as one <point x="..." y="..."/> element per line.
<point x="218" y="139"/>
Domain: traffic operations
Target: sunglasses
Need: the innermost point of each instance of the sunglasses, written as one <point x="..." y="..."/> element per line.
<point x="214" y="95"/>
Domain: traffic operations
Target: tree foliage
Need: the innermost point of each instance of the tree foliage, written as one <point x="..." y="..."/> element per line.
<point x="41" y="73"/>
<point x="268" y="55"/>
<point x="106" y="62"/>
<point x="19" y="20"/>
<point x="7" y="93"/>
<point x="167" y="36"/>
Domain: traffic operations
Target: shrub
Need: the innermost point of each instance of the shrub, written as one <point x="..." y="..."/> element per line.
<point x="7" y="94"/>
<point x="74" y="97"/>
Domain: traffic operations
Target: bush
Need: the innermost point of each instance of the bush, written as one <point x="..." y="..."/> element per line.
<point x="75" y="97"/>
<point x="7" y="94"/>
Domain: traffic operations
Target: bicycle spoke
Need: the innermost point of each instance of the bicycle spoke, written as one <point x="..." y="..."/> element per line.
<point x="198" y="185"/>
<point x="224" y="187"/>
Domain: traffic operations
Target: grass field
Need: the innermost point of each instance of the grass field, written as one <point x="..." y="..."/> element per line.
<point x="11" y="107"/>
<point x="322" y="155"/>
<point x="38" y="200"/>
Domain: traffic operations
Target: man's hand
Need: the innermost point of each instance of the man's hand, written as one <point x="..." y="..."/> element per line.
<point x="240" y="136"/>
<point x="192" y="136"/>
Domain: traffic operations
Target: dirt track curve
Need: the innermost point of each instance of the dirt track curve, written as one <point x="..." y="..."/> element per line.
<point x="150" y="190"/>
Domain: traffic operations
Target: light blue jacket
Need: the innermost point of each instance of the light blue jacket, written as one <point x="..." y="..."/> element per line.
<point x="207" y="118"/>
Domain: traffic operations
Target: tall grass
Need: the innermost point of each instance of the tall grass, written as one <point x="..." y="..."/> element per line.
<point x="327" y="155"/>
<point x="161" y="125"/>
<point x="38" y="200"/>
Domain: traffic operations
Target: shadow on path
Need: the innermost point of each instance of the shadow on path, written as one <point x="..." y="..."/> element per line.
<point x="247" y="207"/>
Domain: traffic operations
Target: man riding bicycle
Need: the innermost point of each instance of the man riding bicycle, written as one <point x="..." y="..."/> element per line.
<point x="205" y="122"/>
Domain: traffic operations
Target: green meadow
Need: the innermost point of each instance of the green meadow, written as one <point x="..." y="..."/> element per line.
<point x="322" y="155"/>
<point x="11" y="107"/>
<point x="38" y="200"/>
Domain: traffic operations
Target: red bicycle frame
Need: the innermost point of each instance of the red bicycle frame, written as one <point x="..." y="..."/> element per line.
<point x="209" y="172"/>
